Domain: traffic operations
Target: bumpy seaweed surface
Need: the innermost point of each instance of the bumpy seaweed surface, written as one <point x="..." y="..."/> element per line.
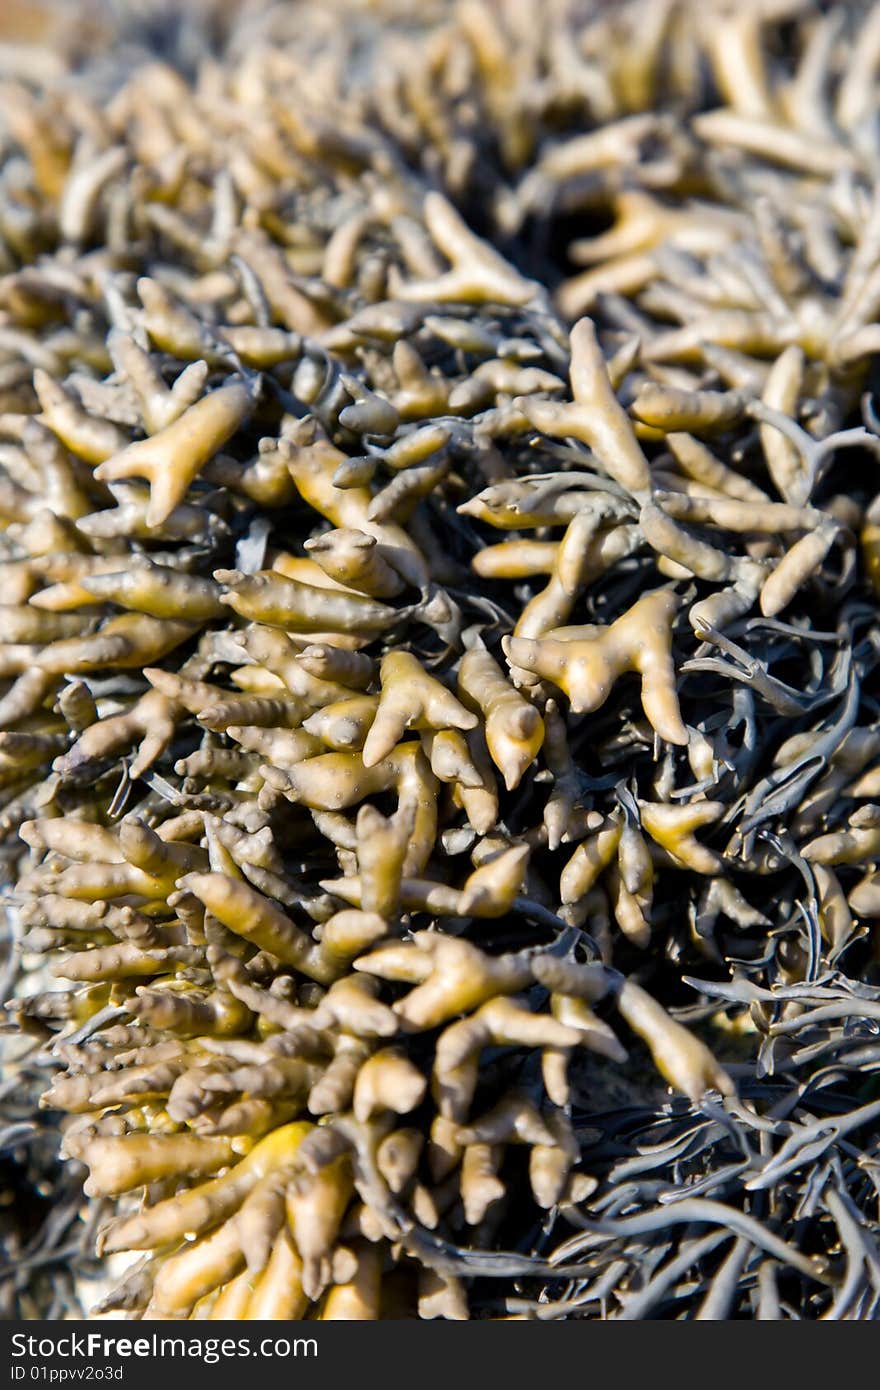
<point x="438" y="659"/>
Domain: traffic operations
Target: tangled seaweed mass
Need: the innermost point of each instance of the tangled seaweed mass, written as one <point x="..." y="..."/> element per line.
<point x="440" y="563"/>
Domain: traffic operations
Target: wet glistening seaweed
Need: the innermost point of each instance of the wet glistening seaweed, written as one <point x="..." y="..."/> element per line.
<point x="439" y="645"/>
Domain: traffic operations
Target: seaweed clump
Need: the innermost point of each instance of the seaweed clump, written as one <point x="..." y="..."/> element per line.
<point x="388" y="869"/>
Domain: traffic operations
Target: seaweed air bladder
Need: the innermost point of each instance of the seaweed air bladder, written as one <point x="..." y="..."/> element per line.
<point x="439" y="646"/>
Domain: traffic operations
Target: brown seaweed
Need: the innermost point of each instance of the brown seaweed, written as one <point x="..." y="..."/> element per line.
<point x="418" y="921"/>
